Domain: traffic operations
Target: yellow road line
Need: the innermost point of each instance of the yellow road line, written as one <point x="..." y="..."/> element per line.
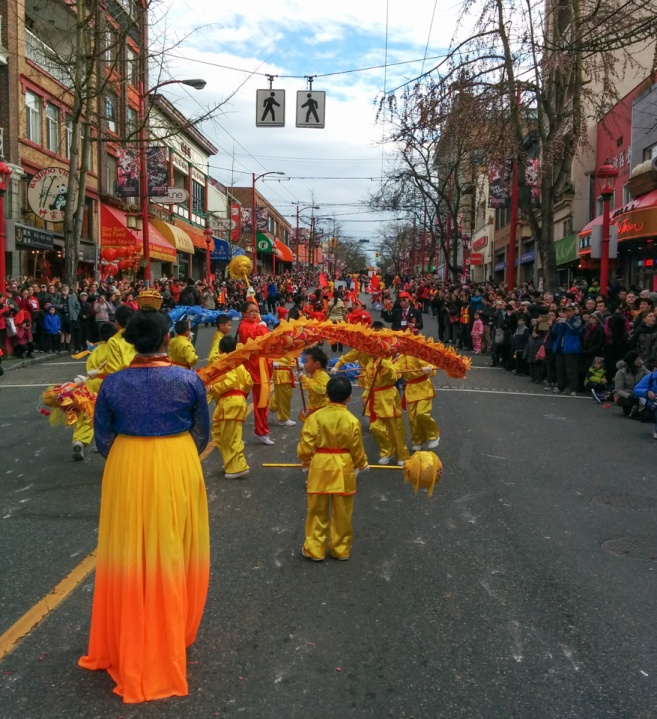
<point x="33" y="616"/>
<point x="11" y="638"/>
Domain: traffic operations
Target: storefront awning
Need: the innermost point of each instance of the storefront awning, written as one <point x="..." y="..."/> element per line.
<point x="283" y="252"/>
<point x="115" y="233"/>
<point x="221" y="251"/>
<point x="174" y="235"/>
<point x="237" y="251"/>
<point x="264" y="243"/>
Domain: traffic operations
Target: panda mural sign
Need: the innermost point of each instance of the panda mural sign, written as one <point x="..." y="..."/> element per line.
<point x="47" y="194"/>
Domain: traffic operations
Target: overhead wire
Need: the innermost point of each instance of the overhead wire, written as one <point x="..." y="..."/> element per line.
<point x="426" y="49"/>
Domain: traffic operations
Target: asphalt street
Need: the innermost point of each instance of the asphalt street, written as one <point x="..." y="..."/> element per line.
<point x="494" y="599"/>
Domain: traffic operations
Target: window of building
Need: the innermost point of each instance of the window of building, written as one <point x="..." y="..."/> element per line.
<point x="33" y="117"/>
<point x="567" y="227"/>
<point x="600" y="204"/>
<point x="110" y="177"/>
<point x="131" y="73"/>
<point x="110" y="48"/>
<point x="111" y="102"/>
<point x="626" y="194"/>
<point x="52" y="128"/>
<point x="650" y="152"/>
<point x="198" y="197"/>
<point x="68" y="137"/>
<point x="132" y="123"/>
<point x="286" y="236"/>
<point x="591" y="197"/>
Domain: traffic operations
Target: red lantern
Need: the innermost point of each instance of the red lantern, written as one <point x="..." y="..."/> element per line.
<point x="120" y="252"/>
<point x="109" y="254"/>
<point x="124" y="264"/>
<point x="129" y="251"/>
<point x="111" y="270"/>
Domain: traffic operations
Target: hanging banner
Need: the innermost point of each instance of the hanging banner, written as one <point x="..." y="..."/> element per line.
<point x="533" y="180"/>
<point x="263" y="219"/>
<point x="304" y="235"/>
<point x="127" y="172"/>
<point x="499" y="181"/>
<point x="235" y="217"/>
<point x="157" y="162"/>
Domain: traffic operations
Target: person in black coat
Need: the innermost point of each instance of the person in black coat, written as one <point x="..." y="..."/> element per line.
<point x="405" y="316"/>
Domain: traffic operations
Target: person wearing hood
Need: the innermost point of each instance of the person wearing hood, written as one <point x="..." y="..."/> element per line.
<point x="629" y="372"/>
<point x="646" y="390"/>
<point x="644" y="340"/>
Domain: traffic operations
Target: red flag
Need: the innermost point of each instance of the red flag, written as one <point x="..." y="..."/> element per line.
<point x="323" y="281"/>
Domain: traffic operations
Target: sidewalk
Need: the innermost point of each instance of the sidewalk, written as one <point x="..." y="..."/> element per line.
<point x="10" y="363"/>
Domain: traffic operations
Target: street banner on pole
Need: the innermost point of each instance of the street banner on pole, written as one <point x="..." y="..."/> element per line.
<point x="499" y="181"/>
<point x="157" y="162"/>
<point x="127" y="172"/>
<point x="311" y="109"/>
<point x="270" y="108"/>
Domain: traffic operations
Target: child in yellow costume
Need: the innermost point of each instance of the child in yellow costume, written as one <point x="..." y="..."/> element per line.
<point x="281" y="399"/>
<point x="230" y="394"/>
<point x="317" y="379"/>
<point x="383" y="407"/>
<point x="331" y="446"/>
<point x="223" y="323"/>
<point x="354" y="356"/>
<point x="119" y="352"/>
<point x="83" y="433"/>
<point x="418" y="397"/>
<point x="181" y="350"/>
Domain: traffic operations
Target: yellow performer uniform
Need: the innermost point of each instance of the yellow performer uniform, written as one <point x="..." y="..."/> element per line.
<point x="84" y="427"/>
<point x="418" y="398"/>
<point x="316" y="388"/>
<point x="331" y="445"/>
<point x="362" y="358"/>
<point x="383" y="407"/>
<point x="230" y="394"/>
<point x="181" y="352"/>
<point x="214" y="347"/>
<point x="119" y="354"/>
<point x="281" y="399"/>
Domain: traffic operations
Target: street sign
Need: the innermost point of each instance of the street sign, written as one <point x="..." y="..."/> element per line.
<point x="174" y="196"/>
<point x="219" y="224"/>
<point x="596" y="242"/>
<point x="270" y="108"/>
<point x="476" y="258"/>
<point x="311" y="109"/>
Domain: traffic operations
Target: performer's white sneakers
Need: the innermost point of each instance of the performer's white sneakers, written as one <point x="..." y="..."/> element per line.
<point x="78" y="451"/>
<point x="434" y="443"/>
<point x="264" y="438"/>
<point x="287" y="423"/>
<point x="384" y="460"/>
<point x="307" y="556"/>
<point x="237" y="475"/>
<point x="401" y="463"/>
<point x="416" y="447"/>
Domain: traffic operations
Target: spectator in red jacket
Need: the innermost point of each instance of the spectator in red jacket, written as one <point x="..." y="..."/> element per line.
<point x="22" y="340"/>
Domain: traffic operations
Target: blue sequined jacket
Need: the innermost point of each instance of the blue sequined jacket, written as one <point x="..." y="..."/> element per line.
<point x="143" y="401"/>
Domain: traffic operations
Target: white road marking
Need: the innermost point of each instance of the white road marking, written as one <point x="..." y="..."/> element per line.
<point x="48" y="384"/>
<point x="511" y="393"/>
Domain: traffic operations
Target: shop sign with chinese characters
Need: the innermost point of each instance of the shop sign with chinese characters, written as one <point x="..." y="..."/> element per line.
<point x="47" y="194"/>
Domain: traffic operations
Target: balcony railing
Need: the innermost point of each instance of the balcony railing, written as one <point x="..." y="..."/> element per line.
<point x="44" y="56"/>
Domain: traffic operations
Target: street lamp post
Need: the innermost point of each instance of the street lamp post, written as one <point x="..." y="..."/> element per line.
<point x="254" y="221"/>
<point x="208" y="242"/>
<point x="197" y="84"/>
<point x="5" y="175"/>
<point x="606" y="175"/>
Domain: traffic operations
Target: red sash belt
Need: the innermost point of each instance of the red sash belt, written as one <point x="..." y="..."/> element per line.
<point x="290" y="370"/>
<point x="233" y="393"/>
<point x="413" y="381"/>
<point x="371" y="399"/>
<point x="329" y="450"/>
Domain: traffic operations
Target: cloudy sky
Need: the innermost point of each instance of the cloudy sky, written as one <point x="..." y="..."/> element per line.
<point x="299" y="37"/>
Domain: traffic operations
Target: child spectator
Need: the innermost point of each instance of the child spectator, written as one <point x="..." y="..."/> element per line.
<point x="331" y="447"/>
<point x="596" y="381"/>
<point x="477" y="332"/>
<point x="53" y="325"/>
<point x="518" y="344"/>
<point x="22" y="340"/>
<point x="629" y="372"/>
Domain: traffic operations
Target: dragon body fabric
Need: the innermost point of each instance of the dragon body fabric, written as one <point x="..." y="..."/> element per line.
<point x="290" y="339"/>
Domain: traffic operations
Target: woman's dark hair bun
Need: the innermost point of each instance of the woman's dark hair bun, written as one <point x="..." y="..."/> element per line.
<point x="146" y="331"/>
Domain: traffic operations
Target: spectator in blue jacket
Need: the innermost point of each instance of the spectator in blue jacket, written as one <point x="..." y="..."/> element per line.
<point x="647" y="390"/>
<point x="52" y="325"/>
<point x="566" y="347"/>
<point x="272" y="296"/>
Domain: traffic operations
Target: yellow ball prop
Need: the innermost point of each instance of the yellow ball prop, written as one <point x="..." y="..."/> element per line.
<point x="240" y="268"/>
<point x="423" y="469"/>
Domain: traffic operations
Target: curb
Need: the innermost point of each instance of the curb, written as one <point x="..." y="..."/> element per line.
<point x="35" y="360"/>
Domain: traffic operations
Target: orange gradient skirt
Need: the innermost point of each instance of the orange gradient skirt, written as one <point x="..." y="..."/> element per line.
<point x="153" y="566"/>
